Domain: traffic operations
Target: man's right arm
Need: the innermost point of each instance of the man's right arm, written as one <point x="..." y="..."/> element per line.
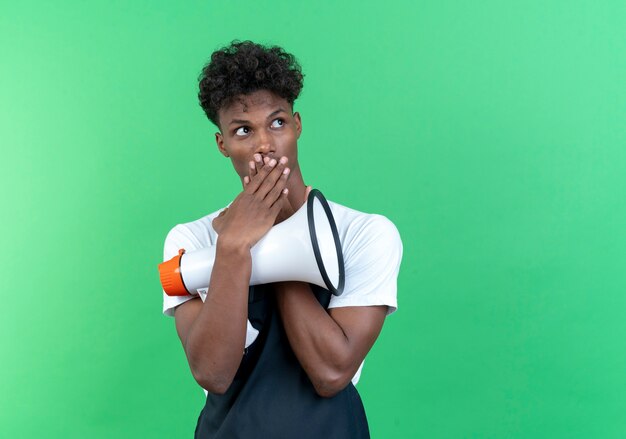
<point x="213" y="333"/>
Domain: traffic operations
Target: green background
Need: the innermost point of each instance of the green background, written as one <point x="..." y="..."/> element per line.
<point x="491" y="133"/>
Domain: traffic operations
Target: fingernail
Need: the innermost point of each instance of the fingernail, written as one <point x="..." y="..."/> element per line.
<point x="257" y="157"/>
<point x="283" y="160"/>
<point x="285" y="191"/>
<point x="286" y="171"/>
<point x="273" y="162"/>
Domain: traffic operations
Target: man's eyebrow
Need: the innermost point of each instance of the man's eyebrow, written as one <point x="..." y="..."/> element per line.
<point x="242" y="121"/>
<point x="238" y="121"/>
<point x="280" y="110"/>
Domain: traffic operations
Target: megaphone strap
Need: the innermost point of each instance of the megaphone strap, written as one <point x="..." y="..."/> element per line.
<point x="316" y="248"/>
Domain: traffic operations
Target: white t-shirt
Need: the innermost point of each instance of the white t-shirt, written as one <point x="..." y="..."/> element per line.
<point x="372" y="251"/>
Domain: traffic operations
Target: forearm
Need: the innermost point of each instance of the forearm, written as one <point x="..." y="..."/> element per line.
<point x="215" y="343"/>
<point x="318" y="341"/>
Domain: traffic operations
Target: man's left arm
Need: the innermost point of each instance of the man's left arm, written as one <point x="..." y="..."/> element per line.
<point x="330" y="345"/>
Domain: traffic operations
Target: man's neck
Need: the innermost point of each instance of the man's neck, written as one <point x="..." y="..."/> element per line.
<point x="297" y="189"/>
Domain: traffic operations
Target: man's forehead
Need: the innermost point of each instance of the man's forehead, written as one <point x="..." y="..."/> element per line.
<point x="250" y="102"/>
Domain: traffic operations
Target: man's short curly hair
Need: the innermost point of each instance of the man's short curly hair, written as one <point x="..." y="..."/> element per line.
<point x="245" y="67"/>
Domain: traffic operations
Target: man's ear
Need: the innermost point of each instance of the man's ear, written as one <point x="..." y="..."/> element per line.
<point x="296" y="117"/>
<point x="219" y="139"/>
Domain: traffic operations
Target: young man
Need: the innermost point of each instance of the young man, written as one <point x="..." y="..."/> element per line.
<point x="278" y="360"/>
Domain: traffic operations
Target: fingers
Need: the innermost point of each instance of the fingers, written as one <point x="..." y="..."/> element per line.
<point x="258" y="164"/>
<point x="278" y="204"/>
<point x="278" y="187"/>
<point x="287" y="209"/>
<point x="253" y="168"/>
<point x="252" y="184"/>
<point x="271" y="173"/>
<point x="254" y="165"/>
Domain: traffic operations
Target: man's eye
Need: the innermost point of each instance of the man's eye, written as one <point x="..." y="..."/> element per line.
<point x="242" y="131"/>
<point x="277" y="123"/>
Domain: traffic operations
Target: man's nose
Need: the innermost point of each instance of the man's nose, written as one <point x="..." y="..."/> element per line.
<point x="264" y="144"/>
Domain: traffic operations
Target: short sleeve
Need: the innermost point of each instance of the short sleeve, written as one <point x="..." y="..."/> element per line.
<point x="372" y="254"/>
<point x="179" y="237"/>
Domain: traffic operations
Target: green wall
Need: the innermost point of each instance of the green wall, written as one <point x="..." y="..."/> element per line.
<point x="491" y="133"/>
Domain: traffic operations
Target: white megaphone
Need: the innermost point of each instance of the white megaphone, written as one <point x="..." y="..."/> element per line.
<point x="305" y="247"/>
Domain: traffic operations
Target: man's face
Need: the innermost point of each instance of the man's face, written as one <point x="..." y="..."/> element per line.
<point x="259" y="122"/>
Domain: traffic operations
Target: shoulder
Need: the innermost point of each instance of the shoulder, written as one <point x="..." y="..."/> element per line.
<point x="372" y="251"/>
<point x="192" y="235"/>
<point x="357" y="229"/>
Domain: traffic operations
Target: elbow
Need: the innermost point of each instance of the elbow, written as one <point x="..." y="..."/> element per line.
<point x="213" y="376"/>
<point x="331" y="384"/>
<point x="211" y="383"/>
<point x="213" y="387"/>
